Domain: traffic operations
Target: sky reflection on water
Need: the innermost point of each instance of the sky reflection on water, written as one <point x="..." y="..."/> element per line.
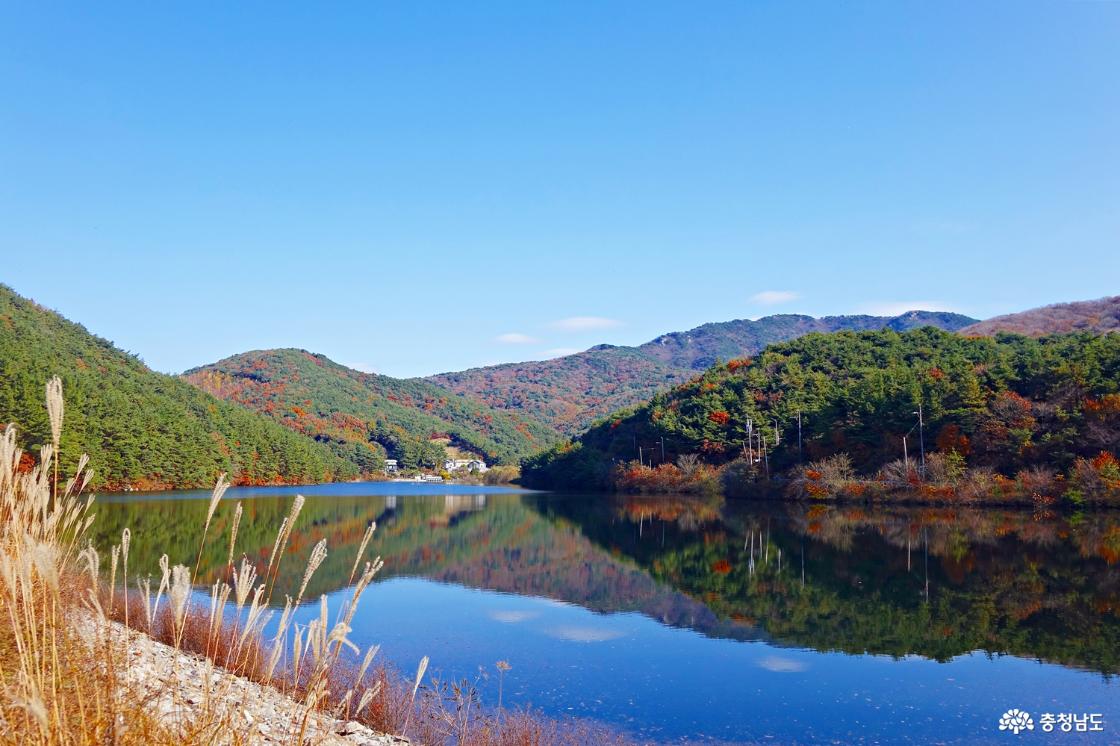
<point x="681" y="619"/>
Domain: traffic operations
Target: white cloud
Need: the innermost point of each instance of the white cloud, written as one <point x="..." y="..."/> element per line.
<point x="774" y="297"/>
<point x="898" y="307"/>
<point x="585" y="323"/>
<point x="513" y="617"/>
<point x="778" y="664"/>
<point x="555" y="602"/>
<point x="515" y="338"/>
<point x="561" y="351"/>
<point x="585" y="634"/>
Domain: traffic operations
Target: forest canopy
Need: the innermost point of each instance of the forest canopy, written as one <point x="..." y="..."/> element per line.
<point x="1005" y="403"/>
<point x="140" y="428"/>
<point x="363" y="416"/>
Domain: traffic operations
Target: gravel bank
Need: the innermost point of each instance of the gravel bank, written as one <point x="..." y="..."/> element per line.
<point x="185" y="688"/>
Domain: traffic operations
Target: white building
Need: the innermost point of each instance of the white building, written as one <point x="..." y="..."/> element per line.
<point x="465" y="464"/>
<point x="391" y="466"/>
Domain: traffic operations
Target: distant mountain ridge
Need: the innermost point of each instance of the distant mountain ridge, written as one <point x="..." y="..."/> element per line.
<point x="699" y="349"/>
<point x="1100" y="316"/>
<point x="572" y="392"/>
<point x="365" y="416"/>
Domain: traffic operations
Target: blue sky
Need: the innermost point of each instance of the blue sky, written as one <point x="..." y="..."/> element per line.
<point x="414" y="187"/>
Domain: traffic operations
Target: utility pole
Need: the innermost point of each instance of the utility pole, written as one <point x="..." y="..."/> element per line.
<point x="750" y="444"/>
<point x="905" y="457"/>
<point x="765" y="456"/>
<point x="662" y="449"/>
<point x="777" y="435"/>
<point x="922" y="438"/>
<point x="640" y="461"/>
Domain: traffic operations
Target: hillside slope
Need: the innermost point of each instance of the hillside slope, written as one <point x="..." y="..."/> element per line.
<point x="140" y="428"/>
<point x="567" y="393"/>
<point x="1098" y="316"/>
<point x="570" y="393"/>
<point x="1006" y="404"/>
<point x="363" y="416"/>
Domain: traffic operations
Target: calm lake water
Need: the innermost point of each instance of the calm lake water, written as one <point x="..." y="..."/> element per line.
<point x="704" y="620"/>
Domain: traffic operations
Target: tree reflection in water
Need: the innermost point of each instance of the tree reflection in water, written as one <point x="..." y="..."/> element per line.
<point x="935" y="582"/>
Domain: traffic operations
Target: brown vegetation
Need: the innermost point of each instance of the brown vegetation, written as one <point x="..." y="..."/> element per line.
<point x="688" y="475"/>
<point x="945" y="479"/>
<point x="1099" y="316"/>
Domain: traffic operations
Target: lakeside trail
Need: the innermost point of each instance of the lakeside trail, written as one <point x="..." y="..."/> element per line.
<point x="181" y="689"/>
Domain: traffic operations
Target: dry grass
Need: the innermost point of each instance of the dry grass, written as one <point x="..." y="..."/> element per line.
<point x="60" y="668"/>
<point x="60" y="687"/>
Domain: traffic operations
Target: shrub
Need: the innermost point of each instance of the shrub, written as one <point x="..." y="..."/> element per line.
<point x="945" y="468"/>
<point x="737" y="478"/>
<point x="900" y="474"/>
<point x="828" y="477"/>
<point x="1037" y="480"/>
<point x="501" y="475"/>
<point x="1095" y="480"/>
<point x="665" y="478"/>
<point x="977" y="484"/>
<point x="688" y="463"/>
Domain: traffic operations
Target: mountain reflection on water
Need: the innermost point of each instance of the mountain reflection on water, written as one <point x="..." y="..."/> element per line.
<point x="932" y="582"/>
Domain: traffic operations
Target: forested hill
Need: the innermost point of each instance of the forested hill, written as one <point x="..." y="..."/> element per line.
<point x="1006" y="403"/>
<point x="140" y="428"/>
<point x="363" y="416"/>
<point x="1097" y="316"/>
<point x="569" y="393"/>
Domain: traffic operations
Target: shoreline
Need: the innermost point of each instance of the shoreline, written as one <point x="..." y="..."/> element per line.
<point x="153" y="489"/>
<point x="182" y="687"/>
<point x="1024" y="503"/>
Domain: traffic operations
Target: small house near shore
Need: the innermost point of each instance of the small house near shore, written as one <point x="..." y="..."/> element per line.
<point x="475" y="465"/>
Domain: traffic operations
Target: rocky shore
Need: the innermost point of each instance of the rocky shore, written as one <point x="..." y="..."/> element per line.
<point x="187" y="690"/>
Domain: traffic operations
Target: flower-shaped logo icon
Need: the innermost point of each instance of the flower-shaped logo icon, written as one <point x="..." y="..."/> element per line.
<point x="1016" y="720"/>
